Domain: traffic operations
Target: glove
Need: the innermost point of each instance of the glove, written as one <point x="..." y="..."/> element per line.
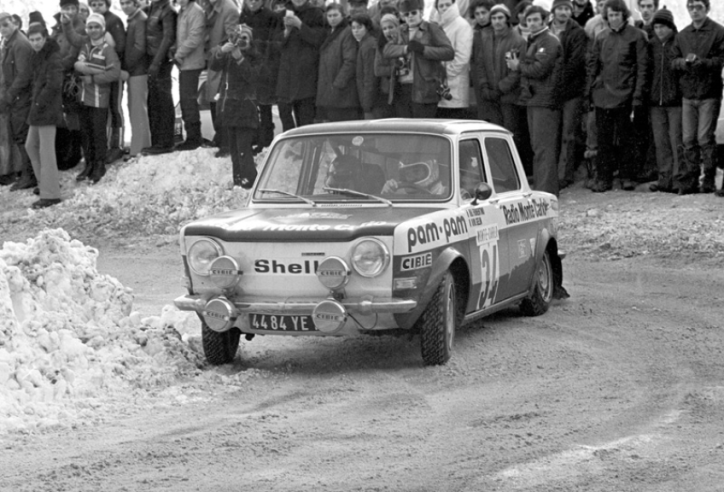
<point x="153" y="71"/>
<point x="415" y="46"/>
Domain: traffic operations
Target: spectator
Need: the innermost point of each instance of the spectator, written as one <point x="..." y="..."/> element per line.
<point x="368" y="86"/>
<point x="15" y="101"/>
<point x="190" y="60"/>
<point x="647" y="8"/>
<point x="10" y="162"/>
<point x="160" y="35"/>
<point x="597" y="23"/>
<point x="114" y="27"/>
<point x="135" y="65"/>
<point x="617" y="68"/>
<point x="83" y="11"/>
<point x="46" y="111"/>
<point x="425" y="46"/>
<point x="455" y="103"/>
<point x="375" y="11"/>
<point x="665" y="102"/>
<point x="387" y="70"/>
<point x="301" y="39"/>
<point x="571" y="86"/>
<point x="236" y="61"/>
<point x="539" y="70"/>
<point x="582" y="11"/>
<point x="357" y="7"/>
<point x="699" y="59"/>
<point x="267" y="27"/>
<point x="337" y="82"/>
<point x="463" y="10"/>
<point x="480" y="11"/>
<point x="519" y="13"/>
<point x="100" y="67"/>
<point x="222" y="16"/>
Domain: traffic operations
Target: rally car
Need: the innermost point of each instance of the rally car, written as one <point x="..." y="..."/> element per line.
<point x="369" y="227"/>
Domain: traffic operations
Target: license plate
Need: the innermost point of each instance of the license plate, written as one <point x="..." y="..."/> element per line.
<point x="276" y="322"/>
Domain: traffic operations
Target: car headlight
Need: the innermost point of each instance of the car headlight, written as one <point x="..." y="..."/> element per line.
<point x="201" y="254"/>
<point x="370" y="257"/>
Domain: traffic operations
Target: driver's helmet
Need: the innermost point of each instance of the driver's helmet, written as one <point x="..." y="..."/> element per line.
<point x="423" y="174"/>
<point x="342" y="171"/>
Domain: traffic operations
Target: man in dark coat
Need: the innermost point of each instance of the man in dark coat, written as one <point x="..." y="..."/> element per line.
<point x="699" y="60"/>
<point x="303" y="35"/>
<point x="17" y="72"/>
<point x="571" y="85"/>
<point x="582" y="12"/>
<point x="617" y="66"/>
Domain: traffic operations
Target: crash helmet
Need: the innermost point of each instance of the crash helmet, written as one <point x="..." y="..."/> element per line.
<point x="423" y="173"/>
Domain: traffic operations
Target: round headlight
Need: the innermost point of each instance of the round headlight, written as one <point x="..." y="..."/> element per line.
<point x="201" y="254"/>
<point x="370" y="257"/>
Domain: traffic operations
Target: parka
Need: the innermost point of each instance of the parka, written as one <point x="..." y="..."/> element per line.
<point x="337" y="83"/>
<point x="574" y="46"/>
<point x="236" y="105"/>
<point x="190" y="34"/>
<point x="663" y="78"/>
<point x="617" y="67"/>
<point x="427" y="68"/>
<point x="46" y="108"/>
<point x="135" y="60"/>
<point x="97" y="94"/>
<point x="495" y="81"/>
<point x="368" y="85"/>
<point x="457" y="70"/>
<point x="266" y="27"/>
<point x="702" y="79"/>
<point x="299" y="59"/>
<point x="160" y="32"/>
<point x="540" y="69"/>
<point x="17" y="75"/>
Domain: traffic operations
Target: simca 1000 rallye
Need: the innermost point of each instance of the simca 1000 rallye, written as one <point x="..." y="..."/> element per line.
<point x="369" y="227"/>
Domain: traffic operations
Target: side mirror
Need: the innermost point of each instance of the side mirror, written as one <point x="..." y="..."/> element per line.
<point x="482" y="192"/>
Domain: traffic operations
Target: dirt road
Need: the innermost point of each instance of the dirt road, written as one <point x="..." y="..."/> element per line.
<point x="620" y="387"/>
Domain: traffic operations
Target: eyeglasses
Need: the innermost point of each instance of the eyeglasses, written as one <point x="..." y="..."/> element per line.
<point x="695" y="7"/>
<point x="411" y="13"/>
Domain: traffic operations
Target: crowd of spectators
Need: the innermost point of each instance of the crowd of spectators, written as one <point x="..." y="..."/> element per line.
<point x="574" y="82"/>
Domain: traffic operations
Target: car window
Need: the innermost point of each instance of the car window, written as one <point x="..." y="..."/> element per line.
<point x="472" y="172"/>
<point x="502" y="165"/>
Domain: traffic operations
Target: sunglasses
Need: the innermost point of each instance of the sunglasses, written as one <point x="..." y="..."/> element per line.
<point x="695" y="7"/>
<point x="411" y="13"/>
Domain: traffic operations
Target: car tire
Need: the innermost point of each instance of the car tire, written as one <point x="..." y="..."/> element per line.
<point x="219" y="348"/>
<point x="438" y="324"/>
<point x="540" y="299"/>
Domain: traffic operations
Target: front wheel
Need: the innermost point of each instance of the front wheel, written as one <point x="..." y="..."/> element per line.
<point x="219" y="348"/>
<point x="438" y="324"/>
<point x="538" y="302"/>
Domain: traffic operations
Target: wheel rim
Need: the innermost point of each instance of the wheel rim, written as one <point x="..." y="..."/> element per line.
<point x="545" y="278"/>
<point x="450" y="318"/>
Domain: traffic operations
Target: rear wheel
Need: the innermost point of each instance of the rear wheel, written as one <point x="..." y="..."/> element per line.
<point x="539" y="301"/>
<point x="219" y="348"/>
<point x="438" y="324"/>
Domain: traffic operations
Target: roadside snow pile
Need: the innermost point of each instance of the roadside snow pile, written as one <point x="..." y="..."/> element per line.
<point x="68" y="335"/>
<point x="149" y="195"/>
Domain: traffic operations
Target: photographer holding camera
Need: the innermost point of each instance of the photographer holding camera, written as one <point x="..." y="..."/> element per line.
<point x="236" y="108"/>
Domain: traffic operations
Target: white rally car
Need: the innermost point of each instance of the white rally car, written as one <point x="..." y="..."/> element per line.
<point x="372" y="226"/>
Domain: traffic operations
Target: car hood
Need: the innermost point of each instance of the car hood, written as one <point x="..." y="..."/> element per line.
<point x="303" y="225"/>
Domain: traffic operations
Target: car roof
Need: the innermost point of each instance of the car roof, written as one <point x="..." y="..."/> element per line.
<point x="439" y="126"/>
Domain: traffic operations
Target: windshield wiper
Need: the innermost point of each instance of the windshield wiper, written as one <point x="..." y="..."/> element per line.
<point x="358" y="193"/>
<point x="281" y="192"/>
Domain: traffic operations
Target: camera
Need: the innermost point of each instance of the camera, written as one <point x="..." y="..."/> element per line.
<point x="240" y="39"/>
<point x="444" y="92"/>
<point x="513" y="54"/>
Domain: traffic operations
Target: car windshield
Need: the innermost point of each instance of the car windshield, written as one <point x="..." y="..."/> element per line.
<point x="365" y="167"/>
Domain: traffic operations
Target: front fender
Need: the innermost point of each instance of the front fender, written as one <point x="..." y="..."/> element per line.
<point x="546" y="240"/>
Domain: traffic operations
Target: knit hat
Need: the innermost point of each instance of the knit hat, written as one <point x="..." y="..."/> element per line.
<point x="35" y="18"/>
<point x="5" y="15"/>
<point x="500" y="9"/>
<point x="561" y="3"/>
<point x="665" y="17"/>
<point x="63" y="3"/>
<point x="537" y="9"/>
<point x="96" y="19"/>
<point x="410" y="5"/>
<point x="391" y="19"/>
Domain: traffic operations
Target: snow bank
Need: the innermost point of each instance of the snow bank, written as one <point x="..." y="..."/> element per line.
<point x="68" y="335"/>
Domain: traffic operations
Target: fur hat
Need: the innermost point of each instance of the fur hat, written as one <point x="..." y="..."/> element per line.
<point x="665" y="17"/>
<point x="63" y="3"/>
<point x="500" y="9"/>
<point x="96" y="19"/>
<point x="410" y="5"/>
<point x="561" y="3"/>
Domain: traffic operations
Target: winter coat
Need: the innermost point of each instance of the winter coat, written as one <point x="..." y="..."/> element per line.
<point x="114" y="27"/>
<point x="574" y="45"/>
<point x="702" y="79"/>
<point x="46" y="108"/>
<point x="68" y="51"/>
<point x="17" y="76"/>
<point x="299" y="60"/>
<point x="540" y="67"/>
<point x="266" y="27"/>
<point x="617" y="66"/>
<point x="190" y="33"/>
<point x="587" y="14"/>
<point x="160" y="32"/>
<point x="135" y="60"/>
<point x="368" y="86"/>
<point x="97" y="94"/>
<point x="220" y="17"/>
<point x="427" y="67"/>
<point x="663" y="80"/>
<point x="385" y="70"/>
<point x="495" y="81"/>
<point x="236" y="105"/>
<point x="457" y="70"/>
<point x="337" y="83"/>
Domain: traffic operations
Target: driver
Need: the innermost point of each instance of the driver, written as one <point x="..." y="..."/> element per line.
<point x="343" y="172"/>
<point x="423" y="176"/>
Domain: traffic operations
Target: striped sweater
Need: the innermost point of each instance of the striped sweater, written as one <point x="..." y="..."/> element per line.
<point x="97" y="94"/>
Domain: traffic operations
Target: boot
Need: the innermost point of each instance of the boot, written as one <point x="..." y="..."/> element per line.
<point x="193" y="137"/>
<point x="99" y="170"/>
<point x="85" y="172"/>
<point x="115" y="147"/>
